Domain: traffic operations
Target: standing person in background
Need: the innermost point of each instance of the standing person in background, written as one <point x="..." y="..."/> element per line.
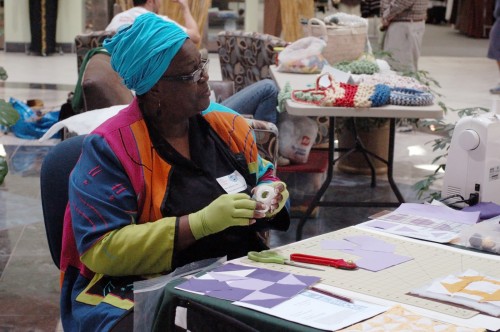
<point x="146" y="6"/>
<point x="351" y="7"/>
<point x="404" y="24"/>
<point x="494" y="48"/>
<point x="43" y="22"/>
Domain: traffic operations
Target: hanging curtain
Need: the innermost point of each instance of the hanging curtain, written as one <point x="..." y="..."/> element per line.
<point x="292" y="11"/>
<point x="199" y="10"/>
<point x="43" y="18"/>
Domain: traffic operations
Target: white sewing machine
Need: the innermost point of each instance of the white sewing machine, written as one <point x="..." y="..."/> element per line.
<point x="473" y="164"/>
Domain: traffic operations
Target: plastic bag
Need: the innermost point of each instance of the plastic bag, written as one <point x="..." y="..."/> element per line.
<point x="303" y="56"/>
<point x="482" y="236"/>
<point x="29" y="125"/>
<point x="297" y="136"/>
<point x="148" y="293"/>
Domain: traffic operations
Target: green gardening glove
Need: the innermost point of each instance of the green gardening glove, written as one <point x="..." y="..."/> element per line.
<point x="226" y="211"/>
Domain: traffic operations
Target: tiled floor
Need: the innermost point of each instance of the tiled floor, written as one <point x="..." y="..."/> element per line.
<point x="29" y="283"/>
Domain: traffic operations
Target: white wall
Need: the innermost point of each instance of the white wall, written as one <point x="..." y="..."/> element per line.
<point x="70" y="21"/>
<point x="251" y="13"/>
<point x="16" y="18"/>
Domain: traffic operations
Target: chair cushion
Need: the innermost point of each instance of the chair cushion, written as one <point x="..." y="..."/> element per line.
<point x="86" y="42"/>
<point x="102" y="86"/>
<point x="245" y="57"/>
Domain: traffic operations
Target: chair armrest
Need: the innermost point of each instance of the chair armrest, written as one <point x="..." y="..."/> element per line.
<point x="266" y="135"/>
<point x="101" y="86"/>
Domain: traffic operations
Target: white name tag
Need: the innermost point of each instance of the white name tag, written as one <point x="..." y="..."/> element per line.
<point x="233" y="183"/>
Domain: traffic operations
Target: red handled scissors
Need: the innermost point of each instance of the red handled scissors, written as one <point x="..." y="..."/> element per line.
<point x="336" y="263"/>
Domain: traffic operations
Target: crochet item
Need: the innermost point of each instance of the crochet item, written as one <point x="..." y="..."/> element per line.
<point x="358" y="67"/>
<point x="410" y="97"/>
<point x="393" y="80"/>
<point x="343" y="95"/>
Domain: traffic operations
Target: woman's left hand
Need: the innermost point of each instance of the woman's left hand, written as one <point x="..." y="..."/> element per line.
<point x="279" y="200"/>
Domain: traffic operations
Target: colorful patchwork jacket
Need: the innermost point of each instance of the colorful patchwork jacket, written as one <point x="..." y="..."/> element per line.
<point x="119" y="226"/>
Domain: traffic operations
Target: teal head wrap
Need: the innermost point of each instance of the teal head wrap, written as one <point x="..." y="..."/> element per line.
<point x="142" y="52"/>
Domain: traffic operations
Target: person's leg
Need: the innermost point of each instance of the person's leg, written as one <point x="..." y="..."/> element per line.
<point x="496" y="90"/>
<point x="259" y="99"/>
<point x="399" y="45"/>
<point x="494" y="50"/>
<point x="417" y="31"/>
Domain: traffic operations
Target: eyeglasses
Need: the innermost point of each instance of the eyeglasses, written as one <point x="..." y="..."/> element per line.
<point x="194" y="77"/>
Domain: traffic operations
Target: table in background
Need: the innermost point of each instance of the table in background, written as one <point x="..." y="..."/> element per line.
<point x="392" y="112"/>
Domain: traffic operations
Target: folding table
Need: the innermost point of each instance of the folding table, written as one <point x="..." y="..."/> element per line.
<point x="392" y="112"/>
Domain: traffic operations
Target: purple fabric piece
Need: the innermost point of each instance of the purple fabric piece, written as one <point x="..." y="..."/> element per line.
<point x="308" y="280"/>
<point x="283" y="290"/>
<point x="267" y="303"/>
<point x="377" y="261"/>
<point x="370" y="243"/>
<point x="230" y="294"/>
<point x="437" y="212"/>
<point x="486" y="210"/>
<point x="268" y="275"/>
<point x="202" y="286"/>
<point x="251" y="284"/>
<point x="232" y="267"/>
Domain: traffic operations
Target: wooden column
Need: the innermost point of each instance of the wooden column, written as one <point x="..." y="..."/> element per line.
<point x="199" y="10"/>
<point x="272" y="17"/>
<point x="291" y="13"/>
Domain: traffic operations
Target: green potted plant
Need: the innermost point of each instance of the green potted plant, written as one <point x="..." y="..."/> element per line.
<point x="8" y="117"/>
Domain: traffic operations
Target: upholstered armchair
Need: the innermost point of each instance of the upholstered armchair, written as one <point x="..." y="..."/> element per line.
<point x="245" y="57"/>
<point x="87" y="41"/>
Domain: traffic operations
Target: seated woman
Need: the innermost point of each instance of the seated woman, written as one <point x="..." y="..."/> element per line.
<point x="165" y="182"/>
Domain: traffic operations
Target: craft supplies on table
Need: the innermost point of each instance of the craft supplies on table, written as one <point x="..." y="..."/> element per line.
<point x="469" y="288"/>
<point x="429" y="261"/>
<point x="268" y="256"/>
<point x="436" y="223"/>
<point x="333" y="262"/>
<point x="247" y="284"/>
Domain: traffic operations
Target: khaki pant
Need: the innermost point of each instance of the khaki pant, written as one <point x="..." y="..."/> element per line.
<point x="403" y="40"/>
<point x="353" y="10"/>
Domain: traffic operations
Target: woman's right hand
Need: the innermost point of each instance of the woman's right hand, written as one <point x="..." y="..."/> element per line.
<point x="226" y="211"/>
